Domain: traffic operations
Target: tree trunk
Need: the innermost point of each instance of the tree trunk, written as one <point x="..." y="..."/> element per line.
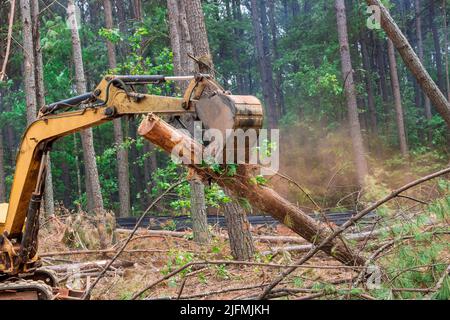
<point x="65" y="174"/>
<point x="198" y="212"/>
<point x="198" y="35"/>
<point x="194" y="38"/>
<point x="264" y="65"/>
<point x="397" y="99"/>
<point x="369" y="84"/>
<point x="437" y="44"/>
<point x="29" y="64"/>
<point x="350" y="93"/>
<point x="381" y="70"/>
<point x="421" y="54"/>
<point x="93" y="190"/>
<point x="241" y="243"/>
<point x="123" y="173"/>
<point x="266" y="199"/>
<point x="276" y="56"/>
<point x="2" y="162"/>
<point x="413" y="63"/>
<point x="175" y="32"/>
<point x="447" y="77"/>
<point x="49" y="202"/>
<point x="137" y="9"/>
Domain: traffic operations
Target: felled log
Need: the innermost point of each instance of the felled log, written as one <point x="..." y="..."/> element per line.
<point x="243" y="185"/>
<point x="91" y="265"/>
<point x="156" y="233"/>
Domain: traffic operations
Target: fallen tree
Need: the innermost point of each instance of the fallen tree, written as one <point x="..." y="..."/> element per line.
<point x="412" y="61"/>
<point x="244" y="184"/>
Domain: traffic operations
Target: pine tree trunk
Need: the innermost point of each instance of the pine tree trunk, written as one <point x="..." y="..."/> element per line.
<point x="421" y="54"/>
<point x="93" y="190"/>
<point x="2" y="162"/>
<point x="397" y="99"/>
<point x="194" y="39"/>
<point x="123" y="174"/>
<point x="447" y="77"/>
<point x="276" y="56"/>
<point x="241" y="242"/>
<point x="381" y="70"/>
<point x="437" y="44"/>
<point x="137" y="9"/>
<point x="49" y="204"/>
<point x="350" y="93"/>
<point x="198" y="35"/>
<point x="29" y="64"/>
<point x="369" y="84"/>
<point x="413" y="63"/>
<point x="198" y="212"/>
<point x="264" y="65"/>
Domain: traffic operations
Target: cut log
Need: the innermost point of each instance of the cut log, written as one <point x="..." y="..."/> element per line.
<point x="91" y="265"/>
<point x="157" y="233"/>
<point x="243" y="185"/>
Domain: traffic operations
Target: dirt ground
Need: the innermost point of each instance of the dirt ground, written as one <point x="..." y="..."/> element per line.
<point x="164" y="254"/>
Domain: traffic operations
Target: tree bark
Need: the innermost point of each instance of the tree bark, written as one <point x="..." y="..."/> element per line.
<point x="49" y="204"/>
<point x="2" y="162"/>
<point x="241" y="185"/>
<point x="421" y="54"/>
<point x="29" y="64"/>
<point x="264" y="65"/>
<point x="93" y="190"/>
<point x="437" y="44"/>
<point x="350" y="93"/>
<point x="276" y="56"/>
<point x="137" y="9"/>
<point x="413" y="63"/>
<point x="369" y="84"/>
<point x="123" y="173"/>
<point x="198" y="35"/>
<point x="447" y="77"/>
<point x="241" y="243"/>
<point x="191" y="29"/>
<point x="397" y="99"/>
<point x="198" y="212"/>
<point x="194" y="38"/>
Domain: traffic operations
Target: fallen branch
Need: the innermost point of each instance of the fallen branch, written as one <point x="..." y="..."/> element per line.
<point x="156" y="233"/>
<point x="351" y="222"/>
<point x="440" y="283"/>
<point x="92" y="265"/>
<point x="95" y="252"/>
<point x="363" y="236"/>
<point x="244" y="263"/>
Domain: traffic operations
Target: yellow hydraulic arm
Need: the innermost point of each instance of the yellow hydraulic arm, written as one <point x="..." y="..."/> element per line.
<point x="114" y="97"/>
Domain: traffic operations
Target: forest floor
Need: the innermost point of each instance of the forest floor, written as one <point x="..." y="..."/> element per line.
<point x="150" y="257"/>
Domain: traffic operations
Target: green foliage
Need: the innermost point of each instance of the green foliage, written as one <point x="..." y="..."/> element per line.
<point x="112" y="35"/>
